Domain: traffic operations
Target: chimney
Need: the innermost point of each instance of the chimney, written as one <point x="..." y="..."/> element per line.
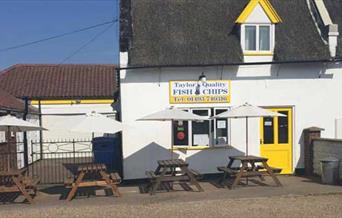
<point x="328" y="30"/>
<point x="332" y="38"/>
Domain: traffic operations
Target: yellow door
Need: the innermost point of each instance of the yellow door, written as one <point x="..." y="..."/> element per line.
<point x="276" y="140"/>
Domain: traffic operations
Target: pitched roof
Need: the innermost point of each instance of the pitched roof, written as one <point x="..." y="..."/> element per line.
<point x="9" y="102"/>
<point x="266" y="6"/>
<point x="334" y="8"/>
<point x="297" y="37"/>
<point x="67" y="81"/>
<point x="190" y="32"/>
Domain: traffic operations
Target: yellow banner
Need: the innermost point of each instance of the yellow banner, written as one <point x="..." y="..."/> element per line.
<point x="194" y="92"/>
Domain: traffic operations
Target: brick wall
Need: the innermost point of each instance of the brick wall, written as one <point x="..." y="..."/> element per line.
<point x="323" y="148"/>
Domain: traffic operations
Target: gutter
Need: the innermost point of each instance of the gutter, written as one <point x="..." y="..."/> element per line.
<point x="334" y="60"/>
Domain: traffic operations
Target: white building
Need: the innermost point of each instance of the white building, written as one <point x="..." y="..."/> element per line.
<point x="61" y="93"/>
<point x="281" y="55"/>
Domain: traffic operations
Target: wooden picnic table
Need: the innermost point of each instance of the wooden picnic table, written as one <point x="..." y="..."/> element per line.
<point x="248" y="168"/>
<point x="175" y="170"/>
<point x="92" y="175"/>
<point x="14" y="181"/>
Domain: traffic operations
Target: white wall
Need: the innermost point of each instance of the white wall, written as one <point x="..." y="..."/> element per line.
<point x="308" y="88"/>
<point x="58" y="119"/>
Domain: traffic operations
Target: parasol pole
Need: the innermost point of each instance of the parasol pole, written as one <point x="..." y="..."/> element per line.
<point x="8" y="148"/>
<point x="246" y="136"/>
<point x="247" y="144"/>
<point x="172" y="139"/>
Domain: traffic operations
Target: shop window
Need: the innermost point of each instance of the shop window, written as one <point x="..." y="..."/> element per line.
<point x="201" y="129"/>
<point x="181" y="133"/>
<point x="201" y="133"/>
<point x="220" y="129"/>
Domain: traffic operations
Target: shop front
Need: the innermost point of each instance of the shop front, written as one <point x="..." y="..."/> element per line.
<point x="295" y="90"/>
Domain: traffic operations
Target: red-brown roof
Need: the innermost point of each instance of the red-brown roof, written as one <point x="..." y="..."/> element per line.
<point x="65" y="81"/>
<point x="9" y="102"/>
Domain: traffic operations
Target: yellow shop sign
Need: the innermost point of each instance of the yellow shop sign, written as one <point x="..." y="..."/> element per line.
<point x="193" y="92"/>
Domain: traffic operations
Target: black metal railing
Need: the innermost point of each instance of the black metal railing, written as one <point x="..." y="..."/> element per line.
<point x="50" y="159"/>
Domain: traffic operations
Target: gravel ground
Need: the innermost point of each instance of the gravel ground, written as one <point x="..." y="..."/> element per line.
<point x="286" y="206"/>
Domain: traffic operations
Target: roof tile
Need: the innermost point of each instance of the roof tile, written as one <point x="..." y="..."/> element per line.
<point x="9" y="102"/>
<point x="44" y="81"/>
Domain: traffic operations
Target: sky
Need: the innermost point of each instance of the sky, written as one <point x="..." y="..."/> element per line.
<point x="24" y="21"/>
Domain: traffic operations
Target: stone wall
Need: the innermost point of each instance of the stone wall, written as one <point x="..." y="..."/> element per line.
<point x="323" y="148"/>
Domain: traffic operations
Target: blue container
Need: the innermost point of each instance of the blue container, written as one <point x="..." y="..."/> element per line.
<point x="107" y="150"/>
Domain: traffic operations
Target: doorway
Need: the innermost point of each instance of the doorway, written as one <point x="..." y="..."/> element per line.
<point x="276" y="140"/>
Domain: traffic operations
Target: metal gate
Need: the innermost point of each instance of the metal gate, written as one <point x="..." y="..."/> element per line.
<point x="50" y="159"/>
<point x="54" y="161"/>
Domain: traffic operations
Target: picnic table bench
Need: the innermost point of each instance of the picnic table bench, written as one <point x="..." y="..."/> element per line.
<point x="91" y="175"/>
<point x="15" y="181"/>
<point x="248" y="168"/>
<point x="175" y="170"/>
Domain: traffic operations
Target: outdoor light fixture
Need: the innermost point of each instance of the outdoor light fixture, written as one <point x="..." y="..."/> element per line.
<point x="202" y="78"/>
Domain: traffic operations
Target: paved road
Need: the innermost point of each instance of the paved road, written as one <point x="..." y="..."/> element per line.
<point x="286" y="206"/>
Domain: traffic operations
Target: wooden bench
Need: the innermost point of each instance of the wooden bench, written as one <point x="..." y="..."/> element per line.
<point x="68" y="182"/>
<point x="151" y="175"/>
<point x="249" y="167"/>
<point x="170" y="171"/>
<point x="259" y="171"/>
<point x="15" y="181"/>
<point x="274" y="170"/>
<point x="197" y="174"/>
<point x="30" y="182"/>
<point x="116" y="178"/>
<point x="227" y="170"/>
<point x="92" y="175"/>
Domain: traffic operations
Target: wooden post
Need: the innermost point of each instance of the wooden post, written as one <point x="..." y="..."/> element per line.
<point x="25" y="135"/>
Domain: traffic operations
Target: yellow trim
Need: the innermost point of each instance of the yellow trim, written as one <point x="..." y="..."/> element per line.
<point x="266" y="6"/>
<point x="69" y="102"/>
<point x="257" y="53"/>
<point x="180" y="148"/>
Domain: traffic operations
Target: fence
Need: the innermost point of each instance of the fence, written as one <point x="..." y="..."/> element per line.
<point x="51" y="160"/>
<point x="54" y="161"/>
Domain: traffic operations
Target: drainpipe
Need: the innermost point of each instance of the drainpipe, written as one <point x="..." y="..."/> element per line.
<point x="41" y="131"/>
<point x="332" y="39"/>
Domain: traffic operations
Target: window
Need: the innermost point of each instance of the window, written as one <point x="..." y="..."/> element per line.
<point x="201" y="130"/>
<point x="181" y="132"/>
<point x="220" y="128"/>
<point x="256" y="37"/>
<point x="250" y="38"/>
<point x="201" y="133"/>
<point x="264" y="38"/>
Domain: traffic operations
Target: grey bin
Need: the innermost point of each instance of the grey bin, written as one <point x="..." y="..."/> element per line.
<point x="330" y="170"/>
